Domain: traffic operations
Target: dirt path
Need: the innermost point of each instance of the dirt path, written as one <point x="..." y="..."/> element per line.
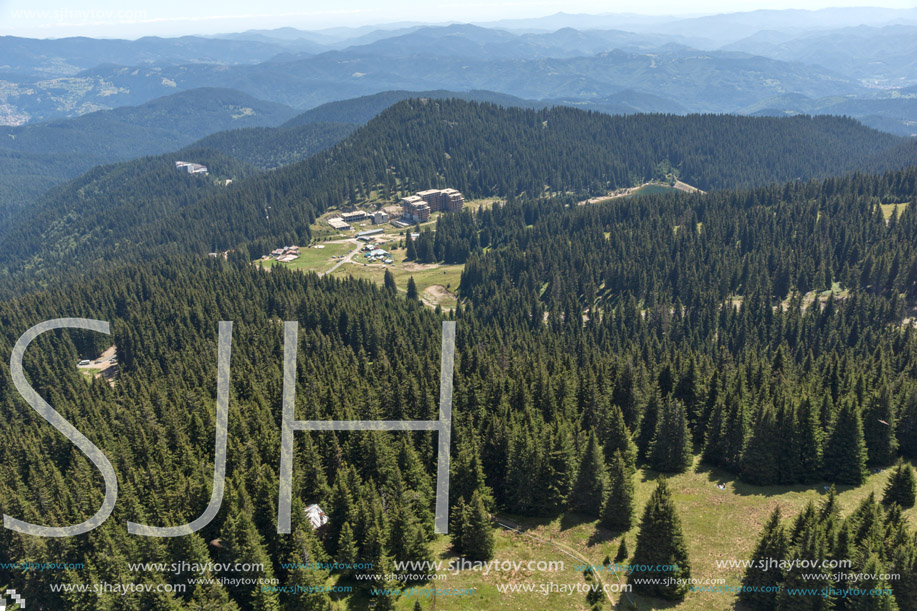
<point x="680" y="186"/>
<point x="683" y="186"/>
<point x="509" y="525"/>
<point x="346" y="259"/>
<point x="102" y="367"/>
<point x="610" y="196"/>
<point x="434" y="294"/>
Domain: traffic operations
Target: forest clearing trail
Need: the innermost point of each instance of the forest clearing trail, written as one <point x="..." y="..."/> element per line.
<point x="510" y="525"/>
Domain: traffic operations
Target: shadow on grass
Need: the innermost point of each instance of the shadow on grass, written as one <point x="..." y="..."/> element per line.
<point x="720" y="477"/>
<point x="644" y="603"/>
<point x="604" y="535"/>
<point x="572" y="520"/>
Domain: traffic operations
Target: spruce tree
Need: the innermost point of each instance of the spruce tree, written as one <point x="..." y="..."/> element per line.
<point x="341" y="509"/>
<point x="736" y="432"/>
<point x="524" y="488"/>
<point x="670" y="450"/>
<point x="903" y="561"/>
<point x="389" y="282"/>
<point x="243" y="544"/>
<point x="714" y="451"/>
<point x="625" y="396"/>
<point x="661" y="542"/>
<point x="760" y="457"/>
<point x="873" y="569"/>
<point x="618" y="510"/>
<point x="615" y="437"/>
<point x="467" y="473"/>
<point x="845" y="453"/>
<point x="879" y="427"/>
<point x="406" y="538"/>
<point x="348" y="553"/>
<point x="477" y="534"/>
<point x="651" y="414"/>
<point x="811" y="545"/>
<point x="622" y="554"/>
<point x="310" y="597"/>
<point x="773" y="544"/>
<point x="560" y="469"/>
<point x="412" y="290"/>
<point x="591" y="485"/>
<point x="810" y="443"/>
<point x="457" y="525"/>
<point x="594" y="596"/>
<point x="901" y="488"/>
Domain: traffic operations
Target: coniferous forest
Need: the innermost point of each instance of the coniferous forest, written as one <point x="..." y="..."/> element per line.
<point x="764" y="328"/>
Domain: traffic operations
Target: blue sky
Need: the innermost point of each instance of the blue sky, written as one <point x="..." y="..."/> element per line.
<point x="111" y="18"/>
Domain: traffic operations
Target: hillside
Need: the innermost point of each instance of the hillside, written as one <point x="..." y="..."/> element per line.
<point x="68" y="56"/>
<point x="82" y="225"/>
<point x="481" y="149"/>
<point x="883" y="55"/>
<point x="360" y="110"/>
<point x="486" y="150"/>
<point x="891" y="114"/>
<point x="588" y="335"/>
<point x="271" y="147"/>
<point x="59" y="150"/>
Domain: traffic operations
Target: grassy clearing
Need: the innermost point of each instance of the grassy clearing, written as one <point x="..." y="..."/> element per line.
<point x="487" y="202"/>
<point x="313" y="259"/>
<point x="651" y="189"/>
<point x="888" y="209"/>
<point x="427" y="277"/>
<point x="436" y="283"/>
<point x="719" y="525"/>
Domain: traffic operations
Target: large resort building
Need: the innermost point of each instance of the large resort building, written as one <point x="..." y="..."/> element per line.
<point x="414" y="209"/>
<point x="417" y="208"/>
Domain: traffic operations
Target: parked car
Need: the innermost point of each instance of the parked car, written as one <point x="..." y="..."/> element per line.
<point x="85" y="362"/>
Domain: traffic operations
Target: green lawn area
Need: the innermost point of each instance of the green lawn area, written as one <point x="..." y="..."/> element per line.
<point x="314" y="259"/>
<point x="719" y="525"/>
<point x="427" y="277"/>
<point x="487" y="202"/>
<point x="887" y="209"/>
<point x="652" y="189"/>
<point x="436" y="283"/>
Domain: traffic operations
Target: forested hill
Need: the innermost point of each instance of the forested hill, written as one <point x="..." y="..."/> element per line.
<point x="37" y="156"/>
<point x="272" y="147"/>
<point x="762" y="330"/>
<point x="481" y="149"/>
<point x="106" y="216"/>
<point x="361" y="110"/>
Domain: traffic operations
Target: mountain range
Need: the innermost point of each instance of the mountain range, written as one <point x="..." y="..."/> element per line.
<point x="853" y="59"/>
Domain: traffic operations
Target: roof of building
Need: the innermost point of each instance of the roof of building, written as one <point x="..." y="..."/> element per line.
<point x="338" y="223"/>
<point x="316" y="516"/>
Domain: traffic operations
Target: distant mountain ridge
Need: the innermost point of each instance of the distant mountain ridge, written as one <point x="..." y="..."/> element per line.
<point x="38" y="156"/>
<point x="571" y="64"/>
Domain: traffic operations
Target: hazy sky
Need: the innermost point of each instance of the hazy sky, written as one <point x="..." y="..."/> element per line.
<point x="112" y="18"/>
